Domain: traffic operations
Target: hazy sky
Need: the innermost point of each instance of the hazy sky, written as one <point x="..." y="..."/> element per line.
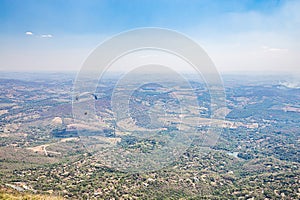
<point x="238" y="35"/>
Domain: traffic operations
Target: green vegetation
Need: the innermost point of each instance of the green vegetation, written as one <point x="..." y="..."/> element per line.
<point x="42" y="157"/>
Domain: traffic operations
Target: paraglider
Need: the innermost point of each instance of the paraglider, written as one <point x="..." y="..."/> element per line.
<point x="86" y="93"/>
<point x="85" y="97"/>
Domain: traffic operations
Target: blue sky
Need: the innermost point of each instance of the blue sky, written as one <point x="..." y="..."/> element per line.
<point x="92" y="17"/>
<point x="239" y="35"/>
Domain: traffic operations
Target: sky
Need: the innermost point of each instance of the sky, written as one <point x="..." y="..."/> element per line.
<point x="238" y="35"/>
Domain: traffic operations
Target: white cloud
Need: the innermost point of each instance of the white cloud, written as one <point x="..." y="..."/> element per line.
<point x="277" y="49"/>
<point x="267" y="48"/>
<point x="28" y="33"/>
<point x="47" y="36"/>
